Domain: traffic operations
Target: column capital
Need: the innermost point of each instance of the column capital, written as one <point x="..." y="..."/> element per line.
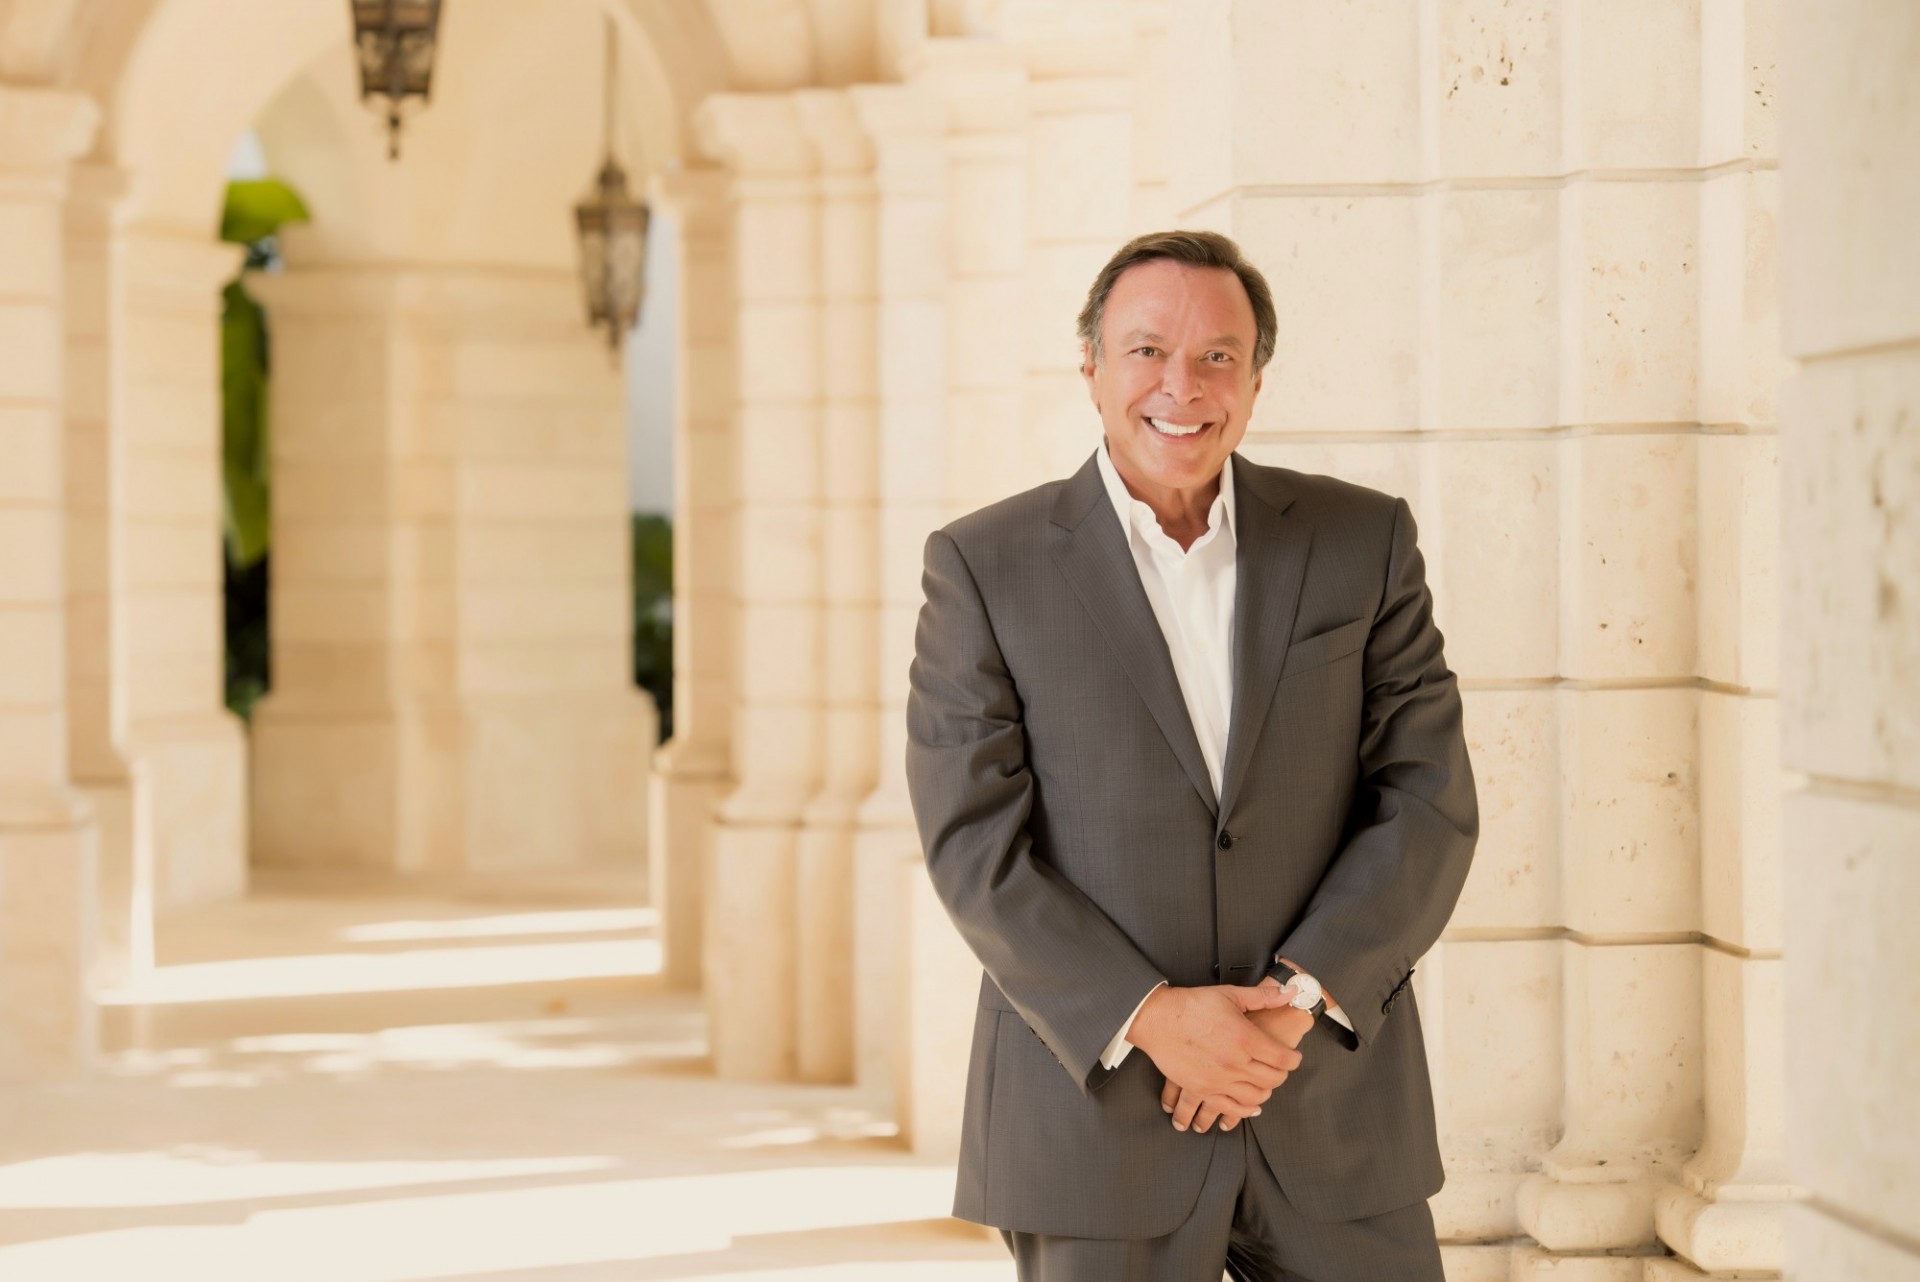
<point x="834" y="128"/>
<point x="97" y="196"/>
<point x="161" y="261"/>
<point x="757" y="135"/>
<point x="690" y="194"/>
<point x="908" y="126"/>
<point x="43" y="130"/>
<point x="506" y="303"/>
<point x="982" y="85"/>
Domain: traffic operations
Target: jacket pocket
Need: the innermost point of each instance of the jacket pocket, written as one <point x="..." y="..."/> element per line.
<point x="1318" y="651"/>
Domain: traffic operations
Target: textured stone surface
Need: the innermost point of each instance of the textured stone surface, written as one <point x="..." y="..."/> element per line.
<point x="1628" y="555"/>
<point x="1853" y="879"/>
<point x="1630" y="789"/>
<point x="1851" y="534"/>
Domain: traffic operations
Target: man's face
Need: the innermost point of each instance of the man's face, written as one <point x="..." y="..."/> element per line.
<point x="1175" y="381"/>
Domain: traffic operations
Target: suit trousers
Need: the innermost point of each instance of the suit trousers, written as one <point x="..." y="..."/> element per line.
<point x="1244" y="1224"/>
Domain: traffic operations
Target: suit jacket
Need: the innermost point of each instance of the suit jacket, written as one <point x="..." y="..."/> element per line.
<point x="1072" y="832"/>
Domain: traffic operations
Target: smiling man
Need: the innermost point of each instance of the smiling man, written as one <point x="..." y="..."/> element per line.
<point x="1188" y="768"/>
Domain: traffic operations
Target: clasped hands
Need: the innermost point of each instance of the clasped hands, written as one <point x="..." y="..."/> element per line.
<point x="1223" y="1049"/>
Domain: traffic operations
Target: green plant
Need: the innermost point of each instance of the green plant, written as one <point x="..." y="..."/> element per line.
<point x="653" y="612"/>
<point x="254" y="213"/>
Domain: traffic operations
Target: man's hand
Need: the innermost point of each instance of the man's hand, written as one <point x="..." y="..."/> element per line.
<point x="1282" y="1023"/>
<point x="1204" y="1039"/>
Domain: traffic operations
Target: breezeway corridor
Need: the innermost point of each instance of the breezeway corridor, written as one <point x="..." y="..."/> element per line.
<point x="333" y="1083"/>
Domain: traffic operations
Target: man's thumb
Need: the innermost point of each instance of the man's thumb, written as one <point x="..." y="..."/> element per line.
<point x="1262" y="996"/>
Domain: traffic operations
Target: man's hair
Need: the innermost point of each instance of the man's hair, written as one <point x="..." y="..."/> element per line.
<point x="1198" y="249"/>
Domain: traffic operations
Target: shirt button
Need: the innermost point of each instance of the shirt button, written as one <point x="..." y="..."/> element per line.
<point x="1226" y="841"/>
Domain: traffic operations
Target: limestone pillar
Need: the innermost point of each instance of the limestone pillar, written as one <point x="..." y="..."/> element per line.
<point x="187" y="751"/>
<point x="1080" y="202"/>
<point x="691" y="773"/>
<point x="1850" y="664"/>
<point x="95" y="675"/>
<point x="47" y="834"/>
<point x="751" y="946"/>
<point x="1629" y="635"/>
<point x="850" y="551"/>
<point x="1486" y="255"/>
<point x="452" y="672"/>
<point x="1727" y="1212"/>
<point x="910" y="174"/>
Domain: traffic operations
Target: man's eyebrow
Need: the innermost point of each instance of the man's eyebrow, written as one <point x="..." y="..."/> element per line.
<point x="1148" y="336"/>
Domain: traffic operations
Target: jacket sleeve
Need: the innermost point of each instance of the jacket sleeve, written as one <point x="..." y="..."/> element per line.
<point x="1073" y="975"/>
<point x="1389" y="891"/>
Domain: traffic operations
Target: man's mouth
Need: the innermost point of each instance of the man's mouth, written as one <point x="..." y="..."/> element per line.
<point x="1175" y="430"/>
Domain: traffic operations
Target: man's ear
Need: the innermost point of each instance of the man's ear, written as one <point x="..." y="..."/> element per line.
<point x="1087" y="364"/>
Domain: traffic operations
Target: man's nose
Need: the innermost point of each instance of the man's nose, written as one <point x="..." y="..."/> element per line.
<point x="1178" y="381"/>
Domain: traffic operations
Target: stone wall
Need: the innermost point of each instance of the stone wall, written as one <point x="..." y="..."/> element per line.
<point x="1851" y="689"/>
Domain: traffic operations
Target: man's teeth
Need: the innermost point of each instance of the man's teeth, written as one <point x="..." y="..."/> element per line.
<point x="1174" y="429"/>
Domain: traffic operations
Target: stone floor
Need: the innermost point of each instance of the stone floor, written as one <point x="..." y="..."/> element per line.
<point x="343" y="1083"/>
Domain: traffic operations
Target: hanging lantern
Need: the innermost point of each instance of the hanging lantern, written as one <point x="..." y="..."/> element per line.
<point x="394" y="43"/>
<point x="613" y="234"/>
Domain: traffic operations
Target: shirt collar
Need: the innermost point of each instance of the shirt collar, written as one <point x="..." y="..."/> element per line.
<point x="1132" y="511"/>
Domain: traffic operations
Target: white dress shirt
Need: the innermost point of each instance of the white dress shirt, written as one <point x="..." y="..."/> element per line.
<point x="1191" y="591"/>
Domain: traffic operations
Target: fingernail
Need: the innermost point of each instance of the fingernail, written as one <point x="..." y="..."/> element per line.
<point x="1166" y="1108"/>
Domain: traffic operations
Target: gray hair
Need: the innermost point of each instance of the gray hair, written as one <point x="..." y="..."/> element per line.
<point x="1197" y="249"/>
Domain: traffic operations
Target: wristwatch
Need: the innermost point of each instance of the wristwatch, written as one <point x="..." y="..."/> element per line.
<point x="1308" y="995"/>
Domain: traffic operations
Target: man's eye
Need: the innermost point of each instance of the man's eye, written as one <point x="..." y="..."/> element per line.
<point x="1219" y="358"/>
<point x="1146" y="351"/>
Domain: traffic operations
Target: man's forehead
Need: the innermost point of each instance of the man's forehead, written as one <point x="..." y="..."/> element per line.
<point x="1148" y="297"/>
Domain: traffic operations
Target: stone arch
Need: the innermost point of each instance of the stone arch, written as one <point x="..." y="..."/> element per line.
<point x="178" y="82"/>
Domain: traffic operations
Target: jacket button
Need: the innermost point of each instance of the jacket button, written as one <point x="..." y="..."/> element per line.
<point x="1226" y="841"/>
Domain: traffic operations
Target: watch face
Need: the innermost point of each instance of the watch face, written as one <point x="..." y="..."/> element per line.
<point x="1308" y="995"/>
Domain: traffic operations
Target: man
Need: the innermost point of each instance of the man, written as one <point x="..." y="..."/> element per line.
<point x="1188" y="768"/>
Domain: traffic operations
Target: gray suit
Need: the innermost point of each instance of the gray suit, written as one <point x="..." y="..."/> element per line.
<point x="1072" y="832"/>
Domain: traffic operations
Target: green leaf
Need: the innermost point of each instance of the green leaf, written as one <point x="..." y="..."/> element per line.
<point x="257" y="208"/>
<point x="243" y="406"/>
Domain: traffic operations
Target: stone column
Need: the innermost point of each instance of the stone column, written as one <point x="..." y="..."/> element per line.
<point x="850" y="538"/>
<point x="692" y="772"/>
<point x="1629" y="637"/>
<point x="1080" y="202"/>
<point x="452" y="671"/>
<point x="1850" y="666"/>
<point x="1486" y="255"/>
<point x="752" y="951"/>
<point x="908" y="131"/>
<point x="189" y="754"/>
<point x="47" y="834"/>
<point x="980" y="90"/>
<point x="96" y="695"/>
<point x="1727" y="1213"/>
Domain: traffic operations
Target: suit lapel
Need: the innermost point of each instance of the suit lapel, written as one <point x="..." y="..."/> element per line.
<point x="1091" y="551"/>
<point x="1270" y="569"/>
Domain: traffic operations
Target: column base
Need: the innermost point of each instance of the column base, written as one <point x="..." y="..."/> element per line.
<point x="123" y="884"/>
<point x="48" y="1023"/>
<point x="1532" y="1262"/>
<point x="939" y="1001"/>
<point x="751" y="951"/>
<point x="680" y="810"/>
<point x="1723" y="1236"/>
<point x="190" y="805"/>
<point x="501" y="786"/>
<point x="880" y="851"/>
<point x="1564" y="1215"/>
<point x="824" y="917"/>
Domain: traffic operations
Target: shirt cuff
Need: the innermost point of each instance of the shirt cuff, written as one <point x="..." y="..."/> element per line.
<point x="1119" y="1048"/>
